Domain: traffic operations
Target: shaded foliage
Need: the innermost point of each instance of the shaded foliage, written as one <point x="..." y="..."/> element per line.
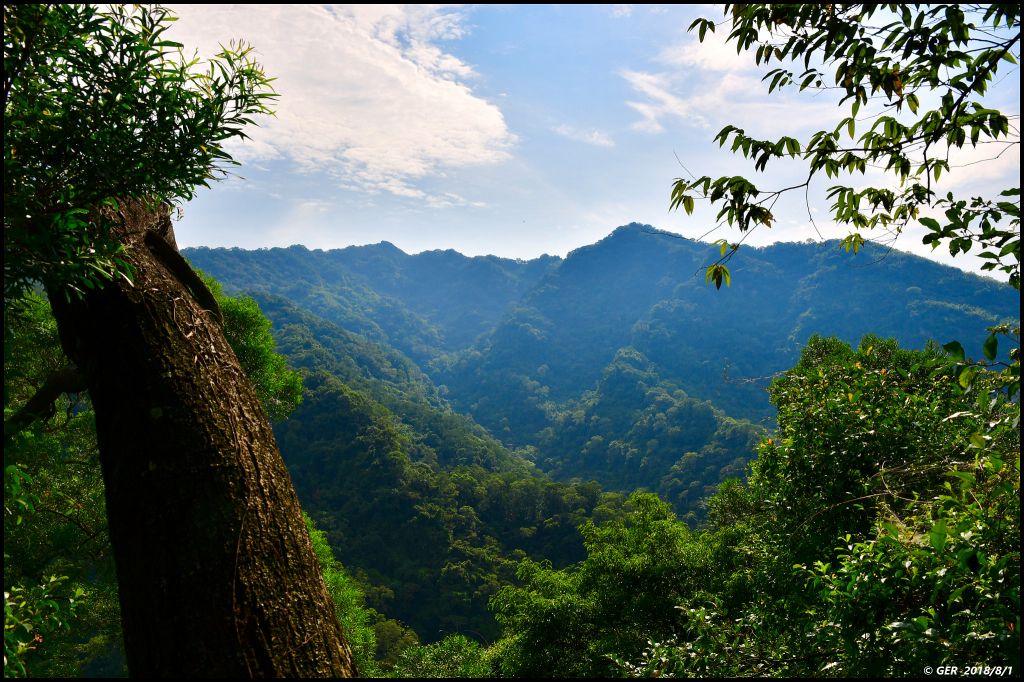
<point x="349" y="603"/>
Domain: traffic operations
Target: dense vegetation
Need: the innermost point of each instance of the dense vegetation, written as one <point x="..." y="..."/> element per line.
<point x="881" y="457"/>
<point x="878" y="534"/>
<point x="582" y="355"/>
<point x="435" y="519"/>
<point x="437" y="541"/>
<point x="630" y="427"/>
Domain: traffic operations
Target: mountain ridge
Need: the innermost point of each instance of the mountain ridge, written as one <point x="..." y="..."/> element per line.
<point x="521" y="346"/>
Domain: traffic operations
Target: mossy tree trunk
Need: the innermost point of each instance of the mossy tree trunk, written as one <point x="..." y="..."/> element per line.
<point x="216" y="572"/>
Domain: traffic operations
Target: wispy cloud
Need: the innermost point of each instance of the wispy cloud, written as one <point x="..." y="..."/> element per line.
<point x="368" y="94"/>
<point x="622" y="11"/>
<point x="660" y="102"/>
<point x="697" y="83"/>
<point x="594" y="137"/>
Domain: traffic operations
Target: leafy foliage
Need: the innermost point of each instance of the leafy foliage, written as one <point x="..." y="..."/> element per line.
<point x="910" y="461"/>
<point x="917" y="480"/>
<point x="850" y="438"/>
<point x="349" y="603"/>
<point x="570" y="623"/>
<point x="880" y="451"/>
<point x="100" y="107"/>
<point x="947" y="53"/>
<point x="933" y="587"/>
<point x="55" y="546"/>
<point x="32" y="615"/>
<point x="455" y="656"/>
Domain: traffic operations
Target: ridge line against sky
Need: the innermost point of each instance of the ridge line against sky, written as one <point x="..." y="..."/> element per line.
<point x="506" y="130"/>
<point x="872" y="254"/>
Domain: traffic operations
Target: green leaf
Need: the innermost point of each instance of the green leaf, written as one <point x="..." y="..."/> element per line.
<point x="966" y="478"/>
<point x="955" y="350"/>
<point x="990" y="347"/>
<point x="890" y="529"/>
<point x="718" y="274"/>
<point x="937" y="535"/>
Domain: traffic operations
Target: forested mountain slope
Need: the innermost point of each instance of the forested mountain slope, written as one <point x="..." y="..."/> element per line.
<point x="422" y="305"/>
<point x="435" y="541"/>
<point x="388" y="377"/>
<point x="428" y="509"/>
<point x="617" y="363"/>
<point x="644" y="288"/>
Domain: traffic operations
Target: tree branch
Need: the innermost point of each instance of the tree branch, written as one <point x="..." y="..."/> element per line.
<point x="64" y="380"/>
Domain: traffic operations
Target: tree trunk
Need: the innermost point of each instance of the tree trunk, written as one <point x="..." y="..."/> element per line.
<point x="216" y="572"/>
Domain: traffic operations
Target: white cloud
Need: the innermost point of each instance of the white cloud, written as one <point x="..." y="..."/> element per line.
<point x="368" y="93"/>
<point x="661" y="102"/>
<point x="696" y="81"/>
<point x="594" y="137"/>
<point x="621" y="11"/>
<point x="714" y="54"/>
<point x="706" y="85"/>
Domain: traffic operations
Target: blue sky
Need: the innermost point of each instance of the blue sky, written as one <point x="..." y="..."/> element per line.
<point x="512" y="130"/>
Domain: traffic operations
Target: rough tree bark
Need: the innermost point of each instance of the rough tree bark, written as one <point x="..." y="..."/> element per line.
<point x="216" y="572"/>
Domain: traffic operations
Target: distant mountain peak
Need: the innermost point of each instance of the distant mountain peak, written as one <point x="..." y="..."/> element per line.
<point x="388" y="246"/>
<point x="643" y="228"/>
<point x="639" y="235"/>
<point x="643" y="231"/>
<point x="635" y="227"/>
